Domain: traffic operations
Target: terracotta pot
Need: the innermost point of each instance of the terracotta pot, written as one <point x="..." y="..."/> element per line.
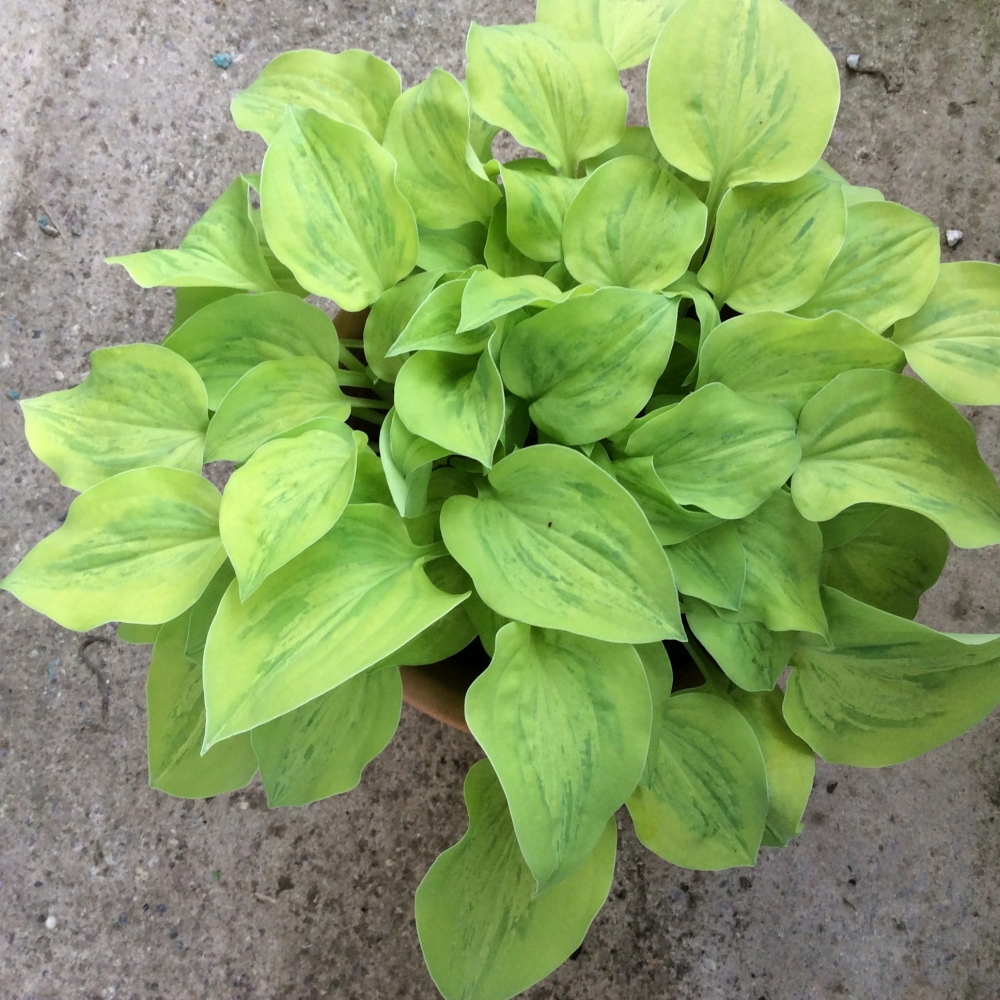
<point x="438" y="689"/>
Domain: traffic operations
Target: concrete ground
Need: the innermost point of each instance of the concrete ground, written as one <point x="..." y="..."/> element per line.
<point x="114" y="122"/>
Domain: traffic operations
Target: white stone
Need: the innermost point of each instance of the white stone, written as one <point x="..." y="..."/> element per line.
<point x="50" y="922"/>
<point x="954" y="237"/>
<point x="853" y="61"/>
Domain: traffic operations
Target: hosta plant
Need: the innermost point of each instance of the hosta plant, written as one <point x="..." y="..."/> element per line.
<point x="629" y="413"/>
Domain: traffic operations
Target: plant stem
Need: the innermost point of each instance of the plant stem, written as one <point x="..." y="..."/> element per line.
<point x="355" y="379"/>
<point x="372" y="404"/>
<point x="350" y="361"/>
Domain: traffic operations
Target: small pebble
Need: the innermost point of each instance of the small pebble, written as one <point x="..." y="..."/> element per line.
<point x="853" y="61"/>
<point x="954" y="237"/>
<point x="50" y="922"/>
<point x="47" y="226"/>
<point x="223" y="60"/>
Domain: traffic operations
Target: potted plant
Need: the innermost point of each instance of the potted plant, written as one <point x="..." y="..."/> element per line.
<point x="610" y="437"/>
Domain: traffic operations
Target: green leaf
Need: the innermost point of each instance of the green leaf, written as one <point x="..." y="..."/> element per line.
<point x="719" y="451"/>
<point x="852" y="195"/>
<point x="626" y="28"/>
<point x="877" y="437"/>
<point x="202" y="612"/>
<point x="270" y="399"/>
<point x="140" y="405"/>
<point x="560" y="97"/>
<point x="407" y="462"/>
<point x="784" y="552"/>
<point x="332" y="212"/>
<point x="452" y="249"/>
<point x="707" y="312"/>
<point x="537" y="199"/>
<point x="176" y="712"/>
<point x="138" y="547"/>
<point x="889" y="563"/>
<point x="321" y="748"/>
<point x="632" y="225"/>
<point x="885" y="269"/>
<point x="501" y="255"/>
<point x="555" y="542"/>
<point x="349" y="600"/>
<point x="369" y="480"/>
<point x="226" y="339"/>
<point x="589" y="365"/>
<point x="670" y="522"/>
<point x="711" y="565"/>
<point x="953" y="342"/>
<point x="220" y="249"/>
<point x="435" y="325"/>
<point x="889" y="689"/>
<point x="137" y="635"/>
<point x="775" y="358"/>
<point x="390" y="314"/>
<point x="790" y="764"/>
<point x="750" y="654"/>
<point x="428" y="135"/>
<point x="774" y="243"/>
<point x="565" y="723"/>
<point x="290" y="493"/>
<point x="741" y="91"/>
<point x="188" y="301"/>
<point x="488" y="296"/>
<point x="702" y="801"/>
<point x="454" y="400"/>
<point x="353" y="87"/>
<point x="484" y="932"/>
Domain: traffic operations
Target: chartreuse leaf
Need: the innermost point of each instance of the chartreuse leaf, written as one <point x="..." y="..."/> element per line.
<point x="484" y="932"/>
<point x="407" y="461"/>
<point x="554" y="541"/>
<point x="626" y="28"/>
<point x="270" y="399"/>
<point x="953" y="342"/>
<point x="711" y="565"/>
<point x="226" y="339"/>
<point x="321" y="748"/>
<point x="369" y="480"/>
<point x="353" y="87"/>
<point x="878" y="437"/>
<point x="537" y="199"/>
<point x="187" y="301"/>
<point x="719" y="451"/>
<point x="790" y="763"/>
<point x="774" y="244"/>
<point x="670" y="522"/>
<point x="885" y="269"/>
<point x="565" y="723"/>
<point x="138" y="547"/>
<point x="888" y="689"/>
<point x="488" y="296"/>
<point x="501" y="255"/>
<point x="776" y="358"/>
<point x="140" y="405"/>
<point x="202" y="612"/>
<point x="387" y="320"/>
<point x="434" y="326"/>
<point x="452" y="249"/>
<point x="454" y="400"/>
<point x="589" y="365"/>
<point x="751" y="655"/>
<point x="889" y="563"/>
<point x="784" y="552"/>
<point x="137" y="635"/>
<point x="332" y="212"/>
<point x="558" y="96"/>
<point x="632" y="225"/>
<point x="175" y="709"/>
<point x="345" y="603"/>
<point x="702" y="800"/>
<point x="852" y="195"/>
<point x="220" y="249"/>
<point x="428" y="134"/>
<point x="741" y="91"/>
<point x="286" y="497"/>
<point x="705" y="308"/>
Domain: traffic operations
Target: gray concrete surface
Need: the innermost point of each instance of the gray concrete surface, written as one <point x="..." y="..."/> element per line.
<point x="114" y="118"/>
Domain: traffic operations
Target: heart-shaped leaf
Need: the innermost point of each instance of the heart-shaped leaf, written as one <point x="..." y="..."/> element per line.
<point x="435" y="324"/>
<point x="484" y="932"/>
<point x="138" y="547"/>
<point x="711" y="565"/>
<point x="537" y="199"/>
<point x="321" y="748"/>
<point x="888" y="689"/>
<point x="345" y="603"/>
<point x="390" y="314"/>
<point x="140" y="405"/>
<point x="488" y="296"/>
<point x="565" y="722"/>
<point x="554" y="541"/>
<point x="407" y="462"/>
<point x="877" y="437"/>
<point x="332" y="212"/>
<point x="501" y="256"/>
<point x="452" y="249"/>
